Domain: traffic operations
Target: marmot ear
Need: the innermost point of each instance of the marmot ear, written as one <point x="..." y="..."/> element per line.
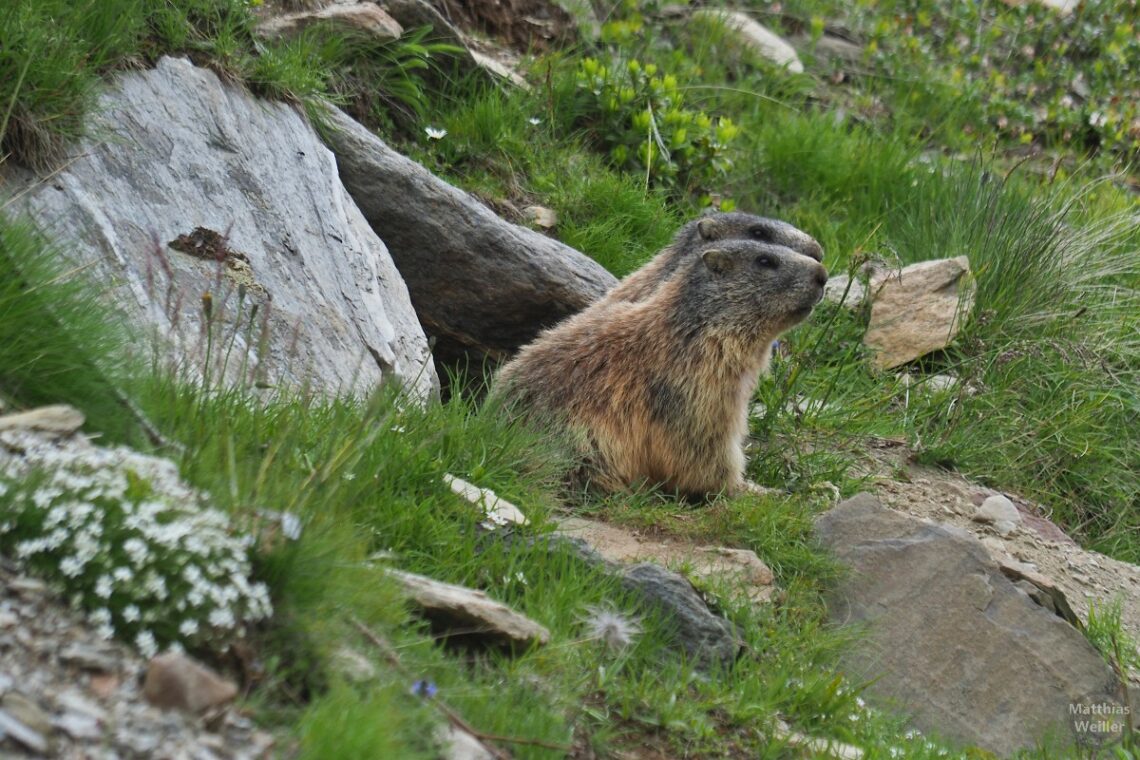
<point x="706" y="228"/>
<point x="717" y="260"/>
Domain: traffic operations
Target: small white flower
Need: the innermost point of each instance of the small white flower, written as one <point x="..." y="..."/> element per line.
<point x="130" y="613"/>
<point x="146" y="643"/>
<point x="71" y="566"/>
<point x="103" y="587"/>
<point x="188" y="628"/>
<point x="435" y="134"/>
<point x="1097" y="119"/>
<point x="221" y="617"/>
<point x="534" y="121"/>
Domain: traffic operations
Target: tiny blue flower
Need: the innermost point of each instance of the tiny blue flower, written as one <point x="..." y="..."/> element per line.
<point x="424" y="688"/>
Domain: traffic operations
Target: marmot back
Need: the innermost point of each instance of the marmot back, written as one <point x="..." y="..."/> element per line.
<point x="638" y="285"/>
<point x="658" y="390"/>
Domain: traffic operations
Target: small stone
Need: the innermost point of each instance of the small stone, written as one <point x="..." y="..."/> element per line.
<point x="27" y="587"/>
<point x="89" y="658"/>
<point x="81" y="727"/>
<point x="353" y="665"/>
<point x="6" y="683"/>
<point x="60" y="419"/>
<point x="70" y="701"/>
<point x="261" y="742"/>
<point x="26" y="711"/>
<point x="104" y="685"/>
<point x="499" y="512"/>
<point x="541" y="216"/>
<point x="457" y="744"/>
<point x="845" y="291"/>
<point x="8" y="618"/>
<point x="940" y="383"/>
<point x="175" y="681"/>
<point x="28" y="737"/>
<point x="1000" y="512"/>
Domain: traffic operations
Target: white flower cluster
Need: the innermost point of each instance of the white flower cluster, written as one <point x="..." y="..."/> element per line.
<point x="127" y="540"/>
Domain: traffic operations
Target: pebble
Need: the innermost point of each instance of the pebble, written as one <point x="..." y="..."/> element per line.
<point x="1000" y="512"/>
<point x="12" y="728"/>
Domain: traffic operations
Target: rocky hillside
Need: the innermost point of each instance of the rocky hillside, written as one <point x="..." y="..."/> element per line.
<point x="259" y="262"/>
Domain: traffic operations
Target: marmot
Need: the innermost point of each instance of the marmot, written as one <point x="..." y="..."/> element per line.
<point x="657" y="391"/>
<point x="640" y="284"/>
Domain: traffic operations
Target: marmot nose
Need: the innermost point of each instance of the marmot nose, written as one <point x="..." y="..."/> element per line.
<point x="820" y="276"/>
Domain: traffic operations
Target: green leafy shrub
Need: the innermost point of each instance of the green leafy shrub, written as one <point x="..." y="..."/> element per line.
<point x="637" y="113"/>
<point x="128" y="543"/>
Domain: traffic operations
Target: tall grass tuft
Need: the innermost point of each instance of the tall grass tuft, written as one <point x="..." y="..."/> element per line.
<point x="59" y="342"/>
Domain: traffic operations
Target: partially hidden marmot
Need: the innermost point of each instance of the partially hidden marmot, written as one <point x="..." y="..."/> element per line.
<point x="657" y="391"/>
<point x="640" y="284"/>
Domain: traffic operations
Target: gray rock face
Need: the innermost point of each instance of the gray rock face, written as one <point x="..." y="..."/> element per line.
<point x="481" y="286"/>
<point x="251" y="200"/>
<point x="951" y="641"/>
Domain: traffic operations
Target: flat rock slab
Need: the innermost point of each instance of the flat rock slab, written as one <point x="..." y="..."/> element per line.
<point x="363" y="17"/>
<point x="740" y="567"/>
<point x="194" y="187"/>
<point x="471" y="613"/>
<point x="60" y="419"/>
<point x="481" y="286"/>
<point x="918" y="309"/>
<point x="951" y="641"/>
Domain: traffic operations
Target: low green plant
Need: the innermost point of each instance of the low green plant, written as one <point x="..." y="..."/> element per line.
<point x="638" y="115"/>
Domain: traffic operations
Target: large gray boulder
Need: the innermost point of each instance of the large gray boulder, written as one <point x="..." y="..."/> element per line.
<point x="949" y="640"/>
<point x="482" y="287"/>
<point x="252" y="202"/>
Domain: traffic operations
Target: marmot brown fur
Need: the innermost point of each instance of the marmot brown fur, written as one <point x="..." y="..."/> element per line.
<point x="640" y="284"/>
<point x="657" y="390"/>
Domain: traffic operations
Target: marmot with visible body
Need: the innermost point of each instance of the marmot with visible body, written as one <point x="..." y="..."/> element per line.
<point x="657" y="391"/>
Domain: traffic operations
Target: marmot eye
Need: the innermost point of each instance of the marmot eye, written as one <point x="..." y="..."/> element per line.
<point x="760" y="233"/>
<point x="766" y="262"/>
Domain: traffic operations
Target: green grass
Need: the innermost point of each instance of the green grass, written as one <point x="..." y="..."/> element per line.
<point x="59" y="341"/>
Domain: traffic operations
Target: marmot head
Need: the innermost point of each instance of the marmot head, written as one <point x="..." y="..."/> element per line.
<point x="759" y="288"/>
<point x="739" y="226"/>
